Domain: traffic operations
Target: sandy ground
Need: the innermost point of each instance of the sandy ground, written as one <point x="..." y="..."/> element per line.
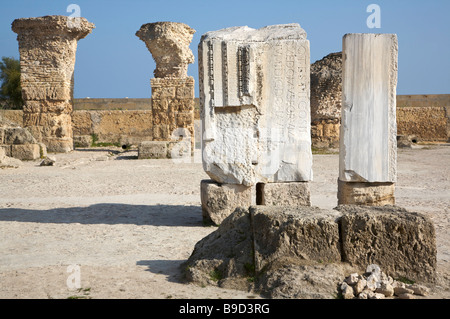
<point x="128" y="224"/>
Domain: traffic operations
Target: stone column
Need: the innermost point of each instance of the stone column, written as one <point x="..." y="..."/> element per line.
<point x="47" y="47"/>
<point x="172" y="90"/>
<point x="368" y="146"/>
<point x="254" y="98"/>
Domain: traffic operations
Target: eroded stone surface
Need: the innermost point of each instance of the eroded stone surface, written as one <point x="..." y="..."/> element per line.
<point x="283" y="194"/>
<point x="326" y="88"/>
<point x="369" y="194"/>
<point x="402" y="243"/>
<point x="220" y="200"/>
<point x="173" y="109"/>
<point x="254" y="96"/>
<point x="168" y="43"/>
<point x="296" y="235"/>
<point x="47" y="47"/>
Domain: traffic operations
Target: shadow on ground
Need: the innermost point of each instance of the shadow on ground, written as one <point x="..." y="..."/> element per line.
<point x="110" y="214"/>
<point x="169" y="268"/>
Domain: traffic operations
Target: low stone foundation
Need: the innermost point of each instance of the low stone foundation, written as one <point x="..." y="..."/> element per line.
<point x="306" y="252"/>
<point x="18" y="142"/>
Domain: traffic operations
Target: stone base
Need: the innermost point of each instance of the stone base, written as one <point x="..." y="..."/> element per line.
<point x="25" y="152"/>
<point x="152" y="149"/>
<point x="283" y="194"/>
<point x="164" y="149"/>
<point x="59" y="145"/>
<point x="368" y="194"/>
<point x="283" y="235"/>
<point x="220" y="200"/>
<point x="82" y="141"/>
<point x="402" y="243"/>
<point x="307" y="252"/>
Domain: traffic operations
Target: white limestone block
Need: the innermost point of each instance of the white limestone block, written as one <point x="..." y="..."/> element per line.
<point x="368" y="146"/>
<point x="254" y="97"/>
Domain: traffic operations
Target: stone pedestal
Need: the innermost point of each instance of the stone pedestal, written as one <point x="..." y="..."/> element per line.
<point x="47" y="47"/>
<point x="283" y="194"/>
<point x="368" y="131"/>
<point x="369" y="194"/>
<point x="220" y="200"/>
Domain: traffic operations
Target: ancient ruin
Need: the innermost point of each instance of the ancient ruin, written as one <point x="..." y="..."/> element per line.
<point x="47" y="47"/>
<point x="172" y="89"/>
<point x="307" y="252"/>
<point x="326" y="92"/>
<point x="368" y="132"/>
<point x="254" y="97"/>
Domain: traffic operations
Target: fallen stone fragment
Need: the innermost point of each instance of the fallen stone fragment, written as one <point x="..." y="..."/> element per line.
<point x="398" y="291"/>
<point x="347" y="291"/>
<point x="360" y="286"/>
<point x="372" y="281"/>
<point x="48" y="161"/>
<point x="419" y="289"/>
<point x="352" y="279"/>
<point x="363" y="295"/>
<point x="386" y="289"/>
<point x="375" y="295"/>
<point x="406" y="296"/>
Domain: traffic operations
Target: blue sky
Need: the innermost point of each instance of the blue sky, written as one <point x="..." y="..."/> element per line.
<point x="113" y="63"/>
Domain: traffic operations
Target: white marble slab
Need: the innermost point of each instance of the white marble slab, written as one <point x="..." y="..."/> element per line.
<point x="368" y="146"/>
<point x="254" y="98"/>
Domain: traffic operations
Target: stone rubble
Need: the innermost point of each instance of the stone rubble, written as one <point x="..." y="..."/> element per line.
<point x="375" y="284"/>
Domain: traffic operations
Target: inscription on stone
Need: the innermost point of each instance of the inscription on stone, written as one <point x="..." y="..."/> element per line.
<point x="256" y="119"/>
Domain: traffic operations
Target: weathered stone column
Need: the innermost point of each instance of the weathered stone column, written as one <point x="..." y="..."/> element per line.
<point x="172" y="90"/>
<point x="47" y="47"/>
<point x="368" y="145"/>
<point x="254" y="97"/>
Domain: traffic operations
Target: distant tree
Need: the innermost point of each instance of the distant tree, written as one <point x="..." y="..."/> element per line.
<point x="10" y="90"/>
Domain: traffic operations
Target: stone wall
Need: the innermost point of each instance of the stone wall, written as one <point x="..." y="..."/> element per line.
<point x="112" y="104"/>
<point x="112" y="126"/>
<point x="425" y="116"/>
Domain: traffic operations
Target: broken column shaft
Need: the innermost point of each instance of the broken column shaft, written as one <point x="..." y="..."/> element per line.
<point x="47" y="47"/>
<point x="172" y="89"/>
<point x="368" y="132"/>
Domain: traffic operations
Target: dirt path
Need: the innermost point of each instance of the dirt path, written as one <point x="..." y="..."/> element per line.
<point x="128" y="224"/>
